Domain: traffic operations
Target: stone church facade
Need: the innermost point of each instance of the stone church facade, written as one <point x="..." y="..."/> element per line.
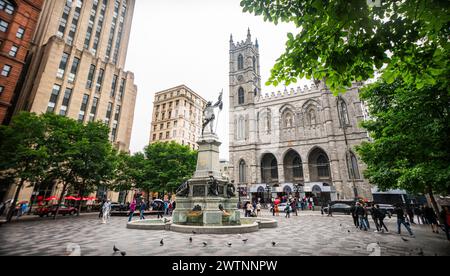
<point x="297" y="142"/>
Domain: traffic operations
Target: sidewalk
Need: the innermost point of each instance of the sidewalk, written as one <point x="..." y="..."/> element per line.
<point x="27" y="218"/>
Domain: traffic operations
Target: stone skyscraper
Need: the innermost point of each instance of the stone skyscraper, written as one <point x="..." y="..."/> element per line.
<point x="77" y="65"/>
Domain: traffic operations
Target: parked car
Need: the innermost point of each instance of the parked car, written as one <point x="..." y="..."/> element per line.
<point x="51" y="210"/>
<point x="339" y="208"/>
<point x="281" y="207"/>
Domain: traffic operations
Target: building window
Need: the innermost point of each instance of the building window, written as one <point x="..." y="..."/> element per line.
<point x="3" y="26"/>
<point x="6" y="70"/>
<point x="242" y="172"/>
<point x="7" y="6"/>
<point x="14" y="50"/>
<point x="90" y="77"/>
<point x="62" y="65"/>
<point x="53" y="98"/>
<point x="161" y="126"/>
<point x="343" y="113"/>
<point x="108" y="113"/>
<point x="122" y="89"/>
<point x="323" y="166"/>
<point x="83" y="108"/>
<point x="74" y="70"/>
<point x="167" y="135"/>
<point x="117" y="115"/>
<point x="353" y="167"/>
<point x="93" y="109"/>
<point x="241" y="96"/>
<point x="2" y="88"/>
<point x="87" y="40"/>
<point x="154" y="137"/>
<point x="74" y="25"/>
<point x="240" y="62"/>
<point x="98" y="86"/>
<point x="66" y="101"/>
<point x="20" y="33"/>
<point x="160" y="136"/>
<point x="114" y="86"/>
<point x="64" y="18"/>
<point x="174" y="134"/>
<point x="114" y="132"/>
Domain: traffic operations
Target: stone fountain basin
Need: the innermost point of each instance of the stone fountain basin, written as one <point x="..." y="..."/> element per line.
<point x="248" y="225"/>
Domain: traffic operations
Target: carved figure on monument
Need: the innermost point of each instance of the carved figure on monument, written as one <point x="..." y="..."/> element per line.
<point x="209" y="115"/>
<point x="183" y="190"/>
<point x="213" y="189"/>
<point x="231" y="190"/>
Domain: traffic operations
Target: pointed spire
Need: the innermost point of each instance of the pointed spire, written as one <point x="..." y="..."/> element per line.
<point x="256" y="43"/>
<point x="231" y="37"/>
<point x="249" y="36"/>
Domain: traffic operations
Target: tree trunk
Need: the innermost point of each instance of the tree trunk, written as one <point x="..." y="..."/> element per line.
<point x="434" y="203"/>
<point x="148" y="195"/>
<point x="31" y="199"/>
<point x="60" y="200"/>
<point x="14" y="203"/>
<point x="81" y="195"/>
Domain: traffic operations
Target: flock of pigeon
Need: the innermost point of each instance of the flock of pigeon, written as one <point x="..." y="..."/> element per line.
<point x="191" y="240"/>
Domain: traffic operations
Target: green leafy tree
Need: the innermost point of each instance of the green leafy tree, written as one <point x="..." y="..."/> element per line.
<point x="168" y="165"/>
<point x="23" y="154"/>
<point x="130" y="172"/>
<point x="344" y="41"/>
<point x="411" y="132"/>
<point x="92" y="161"/>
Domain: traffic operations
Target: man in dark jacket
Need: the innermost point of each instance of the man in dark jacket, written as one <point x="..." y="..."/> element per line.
<point x="361" y="213"/>
<point x="401" y="220"/>
<point x="354" y="216"/>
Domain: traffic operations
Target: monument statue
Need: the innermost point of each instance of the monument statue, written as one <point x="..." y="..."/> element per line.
<point x="208" y="113"/>
<point x="213" y="187"/>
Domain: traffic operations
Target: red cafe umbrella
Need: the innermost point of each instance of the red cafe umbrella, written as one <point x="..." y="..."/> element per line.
<point x="277" y="201"/>
<point x="51" y="198"/>
<point x="71" y="198"/>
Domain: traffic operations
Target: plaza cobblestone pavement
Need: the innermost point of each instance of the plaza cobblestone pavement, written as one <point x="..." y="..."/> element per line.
<point x="305" y="235"/>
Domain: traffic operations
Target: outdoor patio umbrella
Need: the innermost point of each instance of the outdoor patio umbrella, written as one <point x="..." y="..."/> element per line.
<point x="51" y="198"/>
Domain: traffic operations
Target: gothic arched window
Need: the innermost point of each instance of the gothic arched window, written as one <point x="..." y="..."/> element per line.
<point x="254" y="64"/>
<point x="241" y="96"/>
<point x="242" y="172"/>
<point x="240" y="62"/>
<point x="323" y="166"/>
<point x="343" y="113"/>
<point x="312" y="117"/>
<point x="353" y="167"/>
<point x="297" y="167"/>
<point x="241" y="129"/>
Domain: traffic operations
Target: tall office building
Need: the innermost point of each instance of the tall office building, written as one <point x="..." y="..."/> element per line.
<point x="18" y="21"/>
<point x="177" y="116"/>
<point x="77" y="65"/>
<point x="76" y="69"/>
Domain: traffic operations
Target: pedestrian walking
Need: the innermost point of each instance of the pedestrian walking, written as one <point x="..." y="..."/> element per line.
<point x="294" y="206"/>
<point x="445" y="217"/>
<point x="330" y="212"/>
<point x="100" y="214"/>
<point x="360" y="212"/>
<point x="381" y="215"/>
<point x="401" y="221"/>
<point x="354" y="216"/>
<point x="258" y="209"/>
<point x="431" y="218"/>
<point x="132" y="210"/>
<point x="142" y="209"/>
<point x="287" y="210"/>
<point x="106" y="211"/>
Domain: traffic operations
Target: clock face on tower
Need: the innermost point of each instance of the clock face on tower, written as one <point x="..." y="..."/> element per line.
<point x="240" y="78"/>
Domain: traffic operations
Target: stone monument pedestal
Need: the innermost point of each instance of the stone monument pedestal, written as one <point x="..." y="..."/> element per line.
<point x="210" y="200"/>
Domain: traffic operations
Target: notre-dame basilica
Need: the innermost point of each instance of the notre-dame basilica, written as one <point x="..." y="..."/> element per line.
<point x="297" y="142"/>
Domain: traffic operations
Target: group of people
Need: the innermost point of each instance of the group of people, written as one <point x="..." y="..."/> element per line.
<point x="252" y="209"/>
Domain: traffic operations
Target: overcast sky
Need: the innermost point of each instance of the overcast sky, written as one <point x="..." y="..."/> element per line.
<point x="176" y="42"/>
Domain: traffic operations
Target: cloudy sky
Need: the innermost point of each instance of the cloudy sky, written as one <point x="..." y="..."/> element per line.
<point x="177" y="42"/>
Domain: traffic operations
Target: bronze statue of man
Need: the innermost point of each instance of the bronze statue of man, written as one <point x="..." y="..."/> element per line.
<point x="208" y="113"/>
